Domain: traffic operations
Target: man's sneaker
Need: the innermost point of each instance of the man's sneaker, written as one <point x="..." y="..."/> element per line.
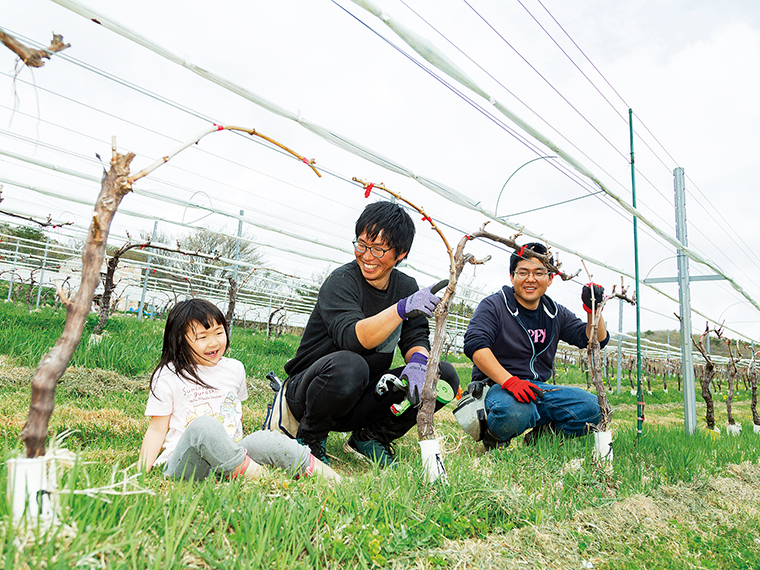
<point x="531" y="438"/>
<point x="318" y="448"/>
<point x="490" y="442"/>
<point x="371" y="450"/>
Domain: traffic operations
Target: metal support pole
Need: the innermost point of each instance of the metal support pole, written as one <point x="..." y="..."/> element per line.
<point x="237" y="259"/>
<point x="456" y="337"/>
<point x="667" y="357"/>
<point x="147" y="272"/>
<point x="237" y="247"/>
<point x="620" y="346"/>
<point x="687" y="361"/>
<point x="639" y="392"/>
<point x="270" y="312"/>
<point x="42" y="271"/>
<point x="13" y="272"/>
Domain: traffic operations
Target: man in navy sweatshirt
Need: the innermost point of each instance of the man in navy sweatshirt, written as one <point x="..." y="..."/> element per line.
<point x="512" y="340"/>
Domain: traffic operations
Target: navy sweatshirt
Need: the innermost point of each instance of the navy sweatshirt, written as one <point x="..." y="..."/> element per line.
<point x="497" y="324"/>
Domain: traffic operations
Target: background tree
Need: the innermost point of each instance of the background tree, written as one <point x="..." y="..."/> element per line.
<point x="108" y="280"/>
<point x="31" y="242"/>
<point x="306" y="291"/>
<point x="275" y="291"/>
<point x="30" y="257"/>
<point x="223" y="246"/>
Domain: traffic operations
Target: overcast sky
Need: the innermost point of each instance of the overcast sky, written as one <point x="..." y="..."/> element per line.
<point x="688" y="69"/>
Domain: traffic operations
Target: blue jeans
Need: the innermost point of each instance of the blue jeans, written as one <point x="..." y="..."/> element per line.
<point x="573" y="411"/>
<point x="205" y="448"/>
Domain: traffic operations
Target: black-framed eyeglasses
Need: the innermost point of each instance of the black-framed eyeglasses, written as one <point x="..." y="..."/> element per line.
<point x="538" y="274"/>
<point x="378" y="252"/>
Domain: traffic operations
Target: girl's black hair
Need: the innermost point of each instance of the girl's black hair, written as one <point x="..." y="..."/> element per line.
<point x="176" y="351"/>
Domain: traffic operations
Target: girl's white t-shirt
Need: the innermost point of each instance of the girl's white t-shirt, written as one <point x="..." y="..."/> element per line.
<point x="184" y="401"/>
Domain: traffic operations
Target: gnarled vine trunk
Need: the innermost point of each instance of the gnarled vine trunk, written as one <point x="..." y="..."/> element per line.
<point x="595" y="364"/>
<point x="705" y="381"/>
<point x="114" y="186"/>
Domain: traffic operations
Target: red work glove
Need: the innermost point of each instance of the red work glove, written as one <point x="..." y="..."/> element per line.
<point x="523" y="390"/>
<point x="586" y="296"/>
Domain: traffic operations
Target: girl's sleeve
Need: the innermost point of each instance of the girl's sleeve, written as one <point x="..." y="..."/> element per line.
<point x="161" y="398"/>
<point x="243" y="389"/>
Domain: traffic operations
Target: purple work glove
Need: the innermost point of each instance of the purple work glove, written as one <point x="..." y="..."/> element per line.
<point x="414" y="375"/>
<point x="422" y="302"/>
<point x="586" y="296"/>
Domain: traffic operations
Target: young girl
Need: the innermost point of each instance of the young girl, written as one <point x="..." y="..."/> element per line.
<point x="195" y="407"/>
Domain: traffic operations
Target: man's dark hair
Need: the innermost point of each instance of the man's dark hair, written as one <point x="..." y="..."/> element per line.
<point x="390" y="219"/>
<point x="522" y="253"/>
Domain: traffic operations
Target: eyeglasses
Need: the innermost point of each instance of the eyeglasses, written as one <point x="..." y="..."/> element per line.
<point x="538" y="274"/>
<point x="376" y="251"/>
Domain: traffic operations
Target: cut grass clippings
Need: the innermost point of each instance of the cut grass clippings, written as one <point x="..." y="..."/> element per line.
<point x="707" y="524"/>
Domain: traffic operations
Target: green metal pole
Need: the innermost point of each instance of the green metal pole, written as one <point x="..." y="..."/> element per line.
<point x="639" y="392"/>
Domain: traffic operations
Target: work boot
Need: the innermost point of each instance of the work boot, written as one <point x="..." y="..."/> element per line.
<point x="372" y="450"/>
<point x="490" y="442"/>
<point x="531" y="438"/>
<point x="318" y="448"/>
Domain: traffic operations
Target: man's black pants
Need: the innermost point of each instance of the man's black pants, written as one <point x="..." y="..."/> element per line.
<point x="336" y="393"/>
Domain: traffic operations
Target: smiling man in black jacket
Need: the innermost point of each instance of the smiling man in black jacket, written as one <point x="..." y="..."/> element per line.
<point x="512" y="340"/>
<point x="365" y="309"/>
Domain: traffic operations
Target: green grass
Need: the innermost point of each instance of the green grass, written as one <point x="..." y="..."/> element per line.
<point x="128" y="347"/>
<point x="670" y="501"/>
